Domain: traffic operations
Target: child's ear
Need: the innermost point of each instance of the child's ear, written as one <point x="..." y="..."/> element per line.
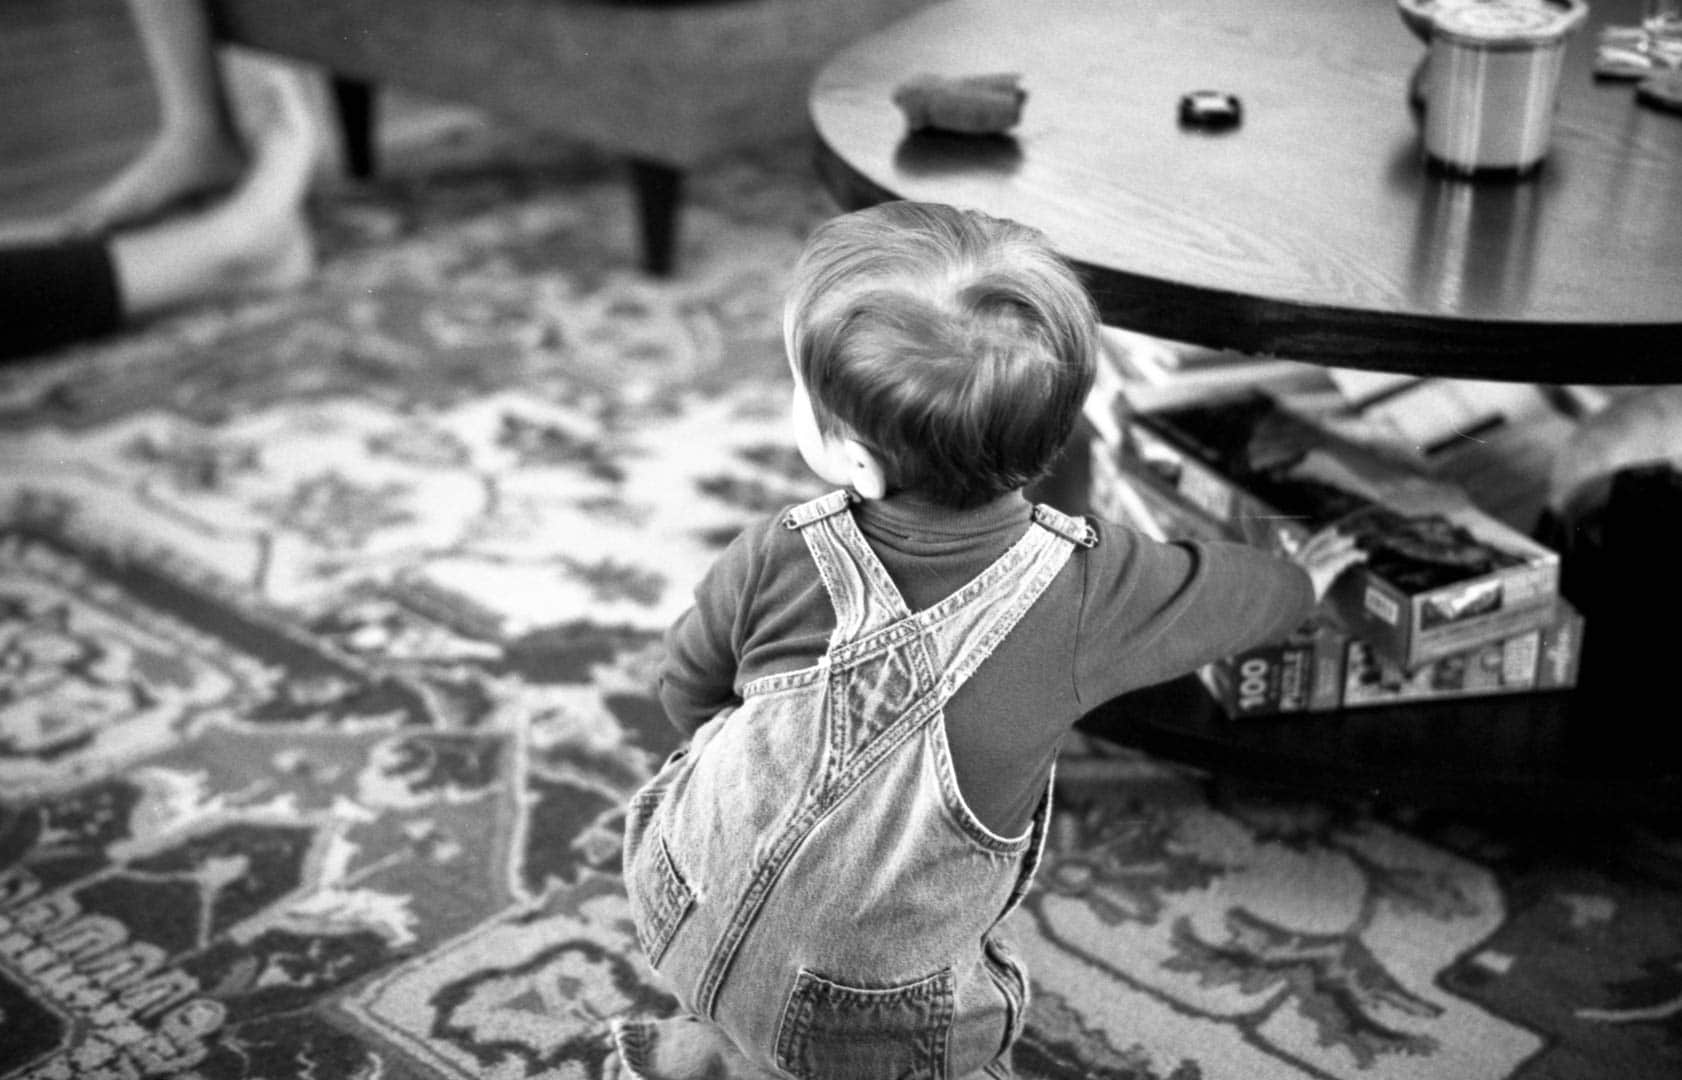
<point x="865" y="471"/>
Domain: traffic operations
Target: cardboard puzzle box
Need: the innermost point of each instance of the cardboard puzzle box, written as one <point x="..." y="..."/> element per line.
<point x="1440" y="577"/>
<point x="1322" y="667"/>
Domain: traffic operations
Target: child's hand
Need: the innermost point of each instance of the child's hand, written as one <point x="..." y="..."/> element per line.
<point x="1326" y="555"/>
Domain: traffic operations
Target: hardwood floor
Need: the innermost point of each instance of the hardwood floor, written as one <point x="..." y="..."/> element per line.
<point x="76" y="100"/>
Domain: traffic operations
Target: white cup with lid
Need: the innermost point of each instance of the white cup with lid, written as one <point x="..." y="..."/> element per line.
<point x="1493" y="82"/>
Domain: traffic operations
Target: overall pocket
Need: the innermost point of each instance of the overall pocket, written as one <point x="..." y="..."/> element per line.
<point x="659" y="896"/>
<point x="835" y="1032"/>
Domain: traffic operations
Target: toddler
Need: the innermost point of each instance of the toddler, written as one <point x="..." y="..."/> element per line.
<point x="877" y="681"/>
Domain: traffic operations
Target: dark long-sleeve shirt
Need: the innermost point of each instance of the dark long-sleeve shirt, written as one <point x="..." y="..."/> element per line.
<point x="1125" y="614"/>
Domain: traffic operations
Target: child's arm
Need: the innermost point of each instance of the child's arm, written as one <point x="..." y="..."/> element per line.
<point x="698" y="673"/>
<point x="1153" y="611"/>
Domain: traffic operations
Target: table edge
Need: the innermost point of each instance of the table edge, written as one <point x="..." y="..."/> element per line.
<point x="1554" y="352"/>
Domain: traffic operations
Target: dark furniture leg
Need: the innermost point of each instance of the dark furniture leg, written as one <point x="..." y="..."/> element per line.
<point x="659" y="190"/>
<point x="353" y="100"/>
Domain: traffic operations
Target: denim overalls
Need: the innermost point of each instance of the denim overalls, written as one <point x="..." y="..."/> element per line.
<point x="806" y="875"/>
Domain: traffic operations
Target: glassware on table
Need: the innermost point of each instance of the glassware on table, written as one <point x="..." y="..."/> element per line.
<point x="1492" y="81"/>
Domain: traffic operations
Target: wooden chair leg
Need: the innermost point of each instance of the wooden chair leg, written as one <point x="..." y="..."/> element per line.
<point x="659" y="193"/>
<point x="353" y="101"/>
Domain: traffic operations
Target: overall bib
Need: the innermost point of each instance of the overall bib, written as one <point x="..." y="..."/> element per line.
<point x="806" y="875"/>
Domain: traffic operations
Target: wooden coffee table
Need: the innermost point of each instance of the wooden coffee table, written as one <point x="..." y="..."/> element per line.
<point x="1313" y="231"/>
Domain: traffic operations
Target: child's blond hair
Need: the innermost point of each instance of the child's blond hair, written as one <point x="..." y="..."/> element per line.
<point x="956" y="347"/>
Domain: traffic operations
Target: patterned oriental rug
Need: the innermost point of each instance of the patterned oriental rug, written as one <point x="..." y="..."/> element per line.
<point x="327" y="626"/>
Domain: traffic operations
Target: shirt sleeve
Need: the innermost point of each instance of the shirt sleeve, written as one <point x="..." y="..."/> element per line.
<point x="698" y="673"/>
<point x="1154" y="611"/>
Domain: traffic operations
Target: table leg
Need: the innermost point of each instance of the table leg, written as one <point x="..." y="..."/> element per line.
<point x="659" y="192"/>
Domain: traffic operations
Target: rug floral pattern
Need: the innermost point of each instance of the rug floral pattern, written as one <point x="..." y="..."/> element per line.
<point x="326" y="632"/>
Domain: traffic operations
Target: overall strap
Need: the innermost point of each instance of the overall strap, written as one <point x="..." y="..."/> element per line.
<point x="1073" y="529"/>
<point x="963" y="630"/>
<point x="863" y="595"/>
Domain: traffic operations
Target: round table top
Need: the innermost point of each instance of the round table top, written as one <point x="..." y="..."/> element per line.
<point x="1314" y="230"/>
